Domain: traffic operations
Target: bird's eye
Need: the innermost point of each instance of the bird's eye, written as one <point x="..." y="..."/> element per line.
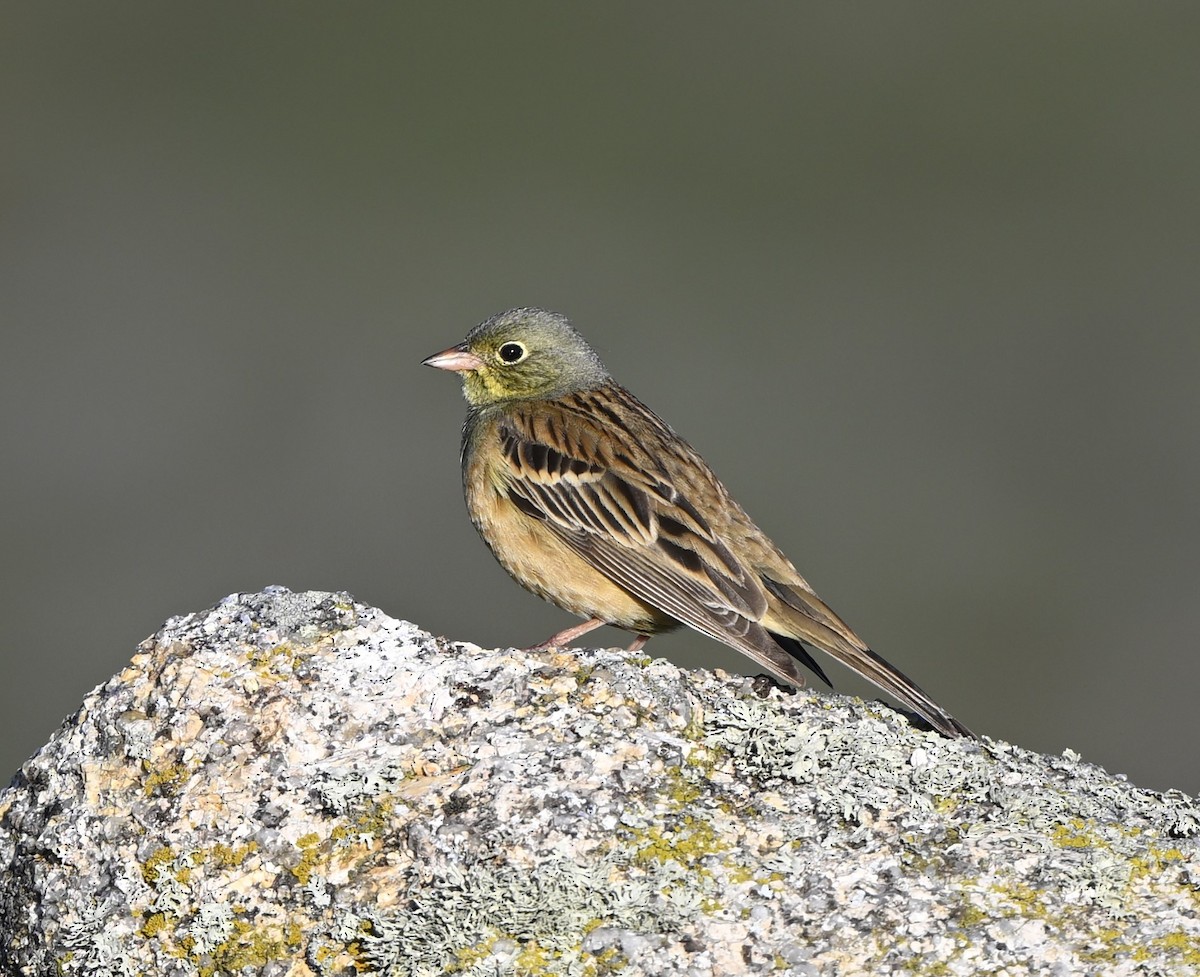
<point x="512" y="352"/>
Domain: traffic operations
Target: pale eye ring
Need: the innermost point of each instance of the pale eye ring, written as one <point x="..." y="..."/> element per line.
<point x="511" y="353"/>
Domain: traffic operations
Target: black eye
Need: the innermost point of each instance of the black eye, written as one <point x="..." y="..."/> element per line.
<point x="512" y="352"/>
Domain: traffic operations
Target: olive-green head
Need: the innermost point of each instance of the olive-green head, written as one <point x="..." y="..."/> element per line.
<point x="521" y="354"/>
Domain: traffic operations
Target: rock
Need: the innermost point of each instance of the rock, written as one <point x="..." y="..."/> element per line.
<point x="297" y="784"/>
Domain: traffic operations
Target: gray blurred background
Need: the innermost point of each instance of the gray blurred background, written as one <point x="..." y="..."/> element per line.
<point x="921" y="282"/>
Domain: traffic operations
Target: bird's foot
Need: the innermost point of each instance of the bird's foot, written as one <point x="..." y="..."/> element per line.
<point x="564" y="638"/>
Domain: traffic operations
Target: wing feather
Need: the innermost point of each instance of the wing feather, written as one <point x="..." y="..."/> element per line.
<point x="624" y="518"/>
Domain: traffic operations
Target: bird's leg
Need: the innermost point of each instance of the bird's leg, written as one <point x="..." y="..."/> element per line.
<point x="639" y="643"/>
<point x="562" y="639"/>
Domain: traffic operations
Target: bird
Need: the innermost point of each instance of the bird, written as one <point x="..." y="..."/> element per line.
<point x="591" y="501"/>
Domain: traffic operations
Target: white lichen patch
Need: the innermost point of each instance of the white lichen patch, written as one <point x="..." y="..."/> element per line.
<point x="296" y="784"/>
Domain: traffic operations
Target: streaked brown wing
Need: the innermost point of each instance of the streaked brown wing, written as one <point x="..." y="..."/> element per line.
<point x="624" y="517"/>
<point x="560" y="466"/>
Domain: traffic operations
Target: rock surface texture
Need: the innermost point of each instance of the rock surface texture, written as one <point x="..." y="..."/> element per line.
<point x="297" y="784"/>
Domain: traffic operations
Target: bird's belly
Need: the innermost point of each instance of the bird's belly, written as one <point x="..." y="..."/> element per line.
<point x="544" y="565"/>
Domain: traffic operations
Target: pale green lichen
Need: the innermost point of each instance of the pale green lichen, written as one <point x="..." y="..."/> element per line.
<point x="90" y="947"/>
<point x="210" y="927"/>
<point x="343" y="792"/>
<point x="543" y="913"/>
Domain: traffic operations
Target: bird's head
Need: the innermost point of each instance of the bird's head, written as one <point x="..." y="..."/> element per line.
<point x="519" y="355"/>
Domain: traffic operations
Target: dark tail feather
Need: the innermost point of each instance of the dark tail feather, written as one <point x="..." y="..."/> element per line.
<point x="800" y="653"/>
<point x="893" y="681"/>
<point x="813" y="621"/>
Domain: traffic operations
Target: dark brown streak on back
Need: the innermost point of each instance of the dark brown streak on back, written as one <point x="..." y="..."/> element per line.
<point x="682" y="555"/>
<point x="639" y="505"/>
<point x="600" y="407"/>
<point x="683" y="503"/>
<point x="535" y="455"/>
<point x="553" y="435"/>
<point x="635" y="406"/>
<point x="672" y="527"/>
<point x="510" y="443"/>
<point x="725" y="555"/>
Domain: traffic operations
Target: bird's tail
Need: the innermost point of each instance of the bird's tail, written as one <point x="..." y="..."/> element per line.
<point x="803" y="616"/>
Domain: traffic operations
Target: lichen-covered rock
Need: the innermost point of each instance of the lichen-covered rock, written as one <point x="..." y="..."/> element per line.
<point x="297" y="784"/>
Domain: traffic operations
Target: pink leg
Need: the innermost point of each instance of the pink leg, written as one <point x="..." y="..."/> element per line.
<point x="562" y="639"/>
<point x="639" y="643"/>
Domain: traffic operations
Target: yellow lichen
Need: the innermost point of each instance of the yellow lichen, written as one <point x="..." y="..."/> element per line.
<point x="154" y="924"/>
<point x="248" y="947"/>
<point x="468" y="956"/>
<point x="534" y="959"/>
<point x="1078" y="834"/>
<point x="165" y="780"/>
<point x="310" y="856"/>
<point x="1182" y="946"/>
<point x="740" y="874"/>
<point x="970" y="916"/>
<point x="1154" y="862"/>
<point x="158" y="859"/>
<point x="277" y="662"/>
<point x="225" y="856"/>
<point x="686" y="844"/>
<point x="609" y="961"/>
<point x="704" y="759"/>
<point x="681" y="791"/>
